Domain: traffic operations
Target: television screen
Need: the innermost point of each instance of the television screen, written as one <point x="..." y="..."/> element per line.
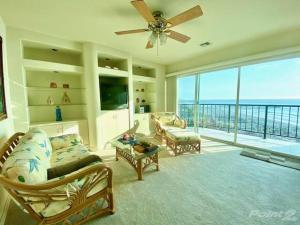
<point x="113" y="96"/>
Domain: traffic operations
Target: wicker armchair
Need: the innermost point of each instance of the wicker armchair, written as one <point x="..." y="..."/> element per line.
<point x="71" y="199"/>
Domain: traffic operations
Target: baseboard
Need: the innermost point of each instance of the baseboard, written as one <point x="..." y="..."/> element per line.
<point x="5" y="209"/>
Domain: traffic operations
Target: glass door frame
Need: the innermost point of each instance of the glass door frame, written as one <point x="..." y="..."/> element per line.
<point x="197" y="100"/>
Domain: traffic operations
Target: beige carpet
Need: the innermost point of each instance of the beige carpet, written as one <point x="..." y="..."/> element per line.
<point x="216" y="187"/>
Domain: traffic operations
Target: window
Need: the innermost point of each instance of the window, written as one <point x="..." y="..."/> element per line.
<point x="269" y="102"/>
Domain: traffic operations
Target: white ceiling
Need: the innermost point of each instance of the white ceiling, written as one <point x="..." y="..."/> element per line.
<point x="224" y="22"/>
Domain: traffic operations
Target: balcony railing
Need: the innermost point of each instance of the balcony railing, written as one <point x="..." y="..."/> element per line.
<point x="266" y="121"/>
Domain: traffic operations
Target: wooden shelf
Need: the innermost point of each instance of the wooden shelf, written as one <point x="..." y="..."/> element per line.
<point x="37" y="65"/>
<point x="61" y="105"/>
<point x="54" y="89"/>
<point x="111" y="72"/>
<point x="56" y="122"/>
<point x="139" y="78"/>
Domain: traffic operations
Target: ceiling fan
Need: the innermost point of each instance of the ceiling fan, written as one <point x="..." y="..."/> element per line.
<point x="159" y="26"/>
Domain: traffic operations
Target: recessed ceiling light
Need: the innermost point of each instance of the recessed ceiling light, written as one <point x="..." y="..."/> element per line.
<point x="54" y="49"/>
<point x="205" y="44"/>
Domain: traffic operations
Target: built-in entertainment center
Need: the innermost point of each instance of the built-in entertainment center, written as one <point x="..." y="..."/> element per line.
<point x="100" y="91"/>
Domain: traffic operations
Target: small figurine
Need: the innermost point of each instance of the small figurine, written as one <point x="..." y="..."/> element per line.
<point x="65" y="99"/>
<point x="126" y="136"/>
<point x="50" y="100"/>
<point x="58" y="113"/>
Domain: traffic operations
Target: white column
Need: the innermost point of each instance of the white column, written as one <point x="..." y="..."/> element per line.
<point x="130" y="92"/>
<point x="17" y="81"/>
<point x="237" y="105"/>
<point x="91" y="81"/>
<point x="161" y="89"/>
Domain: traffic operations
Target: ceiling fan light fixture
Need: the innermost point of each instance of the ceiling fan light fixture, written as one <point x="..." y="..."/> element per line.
<point x="163" y="38"/>
<point x="159" y="26"/>
<point x="153" y="38"/>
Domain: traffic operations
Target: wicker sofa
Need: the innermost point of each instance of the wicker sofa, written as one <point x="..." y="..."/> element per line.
<point x="171" y="128"/>
<point x="74" y="198"/>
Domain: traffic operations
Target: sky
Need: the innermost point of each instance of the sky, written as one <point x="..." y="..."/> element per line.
<point x="271" y="80"/>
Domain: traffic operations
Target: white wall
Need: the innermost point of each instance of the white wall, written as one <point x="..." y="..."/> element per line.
<point x="6" y="126"/>
<point x="283" y="44"/>
<point x="171" y="92"/>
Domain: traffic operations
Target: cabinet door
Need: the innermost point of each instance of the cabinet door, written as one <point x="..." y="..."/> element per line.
<point x="108" y="128"/>
<point x="77" y="127"/>
<point x="71" y="128"/>
<point x="122" y="121"/>
<point x="84" y="131"/>
<point x="52" y="130"/>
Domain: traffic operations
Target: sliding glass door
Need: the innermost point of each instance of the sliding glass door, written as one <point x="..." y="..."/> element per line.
<point x="217" y="103"/>
<point x="269" y="102"/>
<point x="245" y="105"/>
<point x="187" y="99"/>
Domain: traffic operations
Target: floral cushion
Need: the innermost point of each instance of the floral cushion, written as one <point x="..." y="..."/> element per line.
<point x="165" y="118"/>
<point x="39" y="137"/>
<point x="65" y="141"/>
<point x="182" y="135"/>
<point x="69" y="154"/>
<point x="26" y="164"/>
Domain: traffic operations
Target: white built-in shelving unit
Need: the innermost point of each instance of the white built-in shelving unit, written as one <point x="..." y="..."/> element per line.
<point x="37" y="60"/>
<point x="44" y="65"/>
<point x="110" y="65"/>
<point x="144" y="87"/>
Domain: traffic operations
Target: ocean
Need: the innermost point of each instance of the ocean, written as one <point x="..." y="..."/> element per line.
<point x="294" y="102"/>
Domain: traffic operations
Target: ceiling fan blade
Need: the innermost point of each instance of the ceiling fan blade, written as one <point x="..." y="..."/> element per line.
<point x="149" y="45"/>
<point x="186" y="16"/>
<point x="131" y="31"/>
<point x="178" y="36"/>
<point x="143" y="9"/>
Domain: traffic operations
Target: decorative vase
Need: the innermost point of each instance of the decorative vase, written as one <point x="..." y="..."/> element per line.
<point x="50" y="100"/>
<point x="65" y="99"/>
<point x="137" y="100"/>
<point x="58" y="113"/>
<point x="53" y="85"/>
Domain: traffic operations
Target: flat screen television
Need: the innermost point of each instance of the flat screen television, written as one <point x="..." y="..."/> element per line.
<point x="113" y="95"/>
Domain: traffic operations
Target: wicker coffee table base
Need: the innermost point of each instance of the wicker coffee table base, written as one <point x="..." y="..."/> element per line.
<point x="184" y="146"/>
<point x="140" y="164"/>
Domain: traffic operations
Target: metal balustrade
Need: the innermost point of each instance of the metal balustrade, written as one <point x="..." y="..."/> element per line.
<point x="266" y="121"/>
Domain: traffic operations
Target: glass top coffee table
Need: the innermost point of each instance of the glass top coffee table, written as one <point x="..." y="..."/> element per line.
<point x="139" y="161"/>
